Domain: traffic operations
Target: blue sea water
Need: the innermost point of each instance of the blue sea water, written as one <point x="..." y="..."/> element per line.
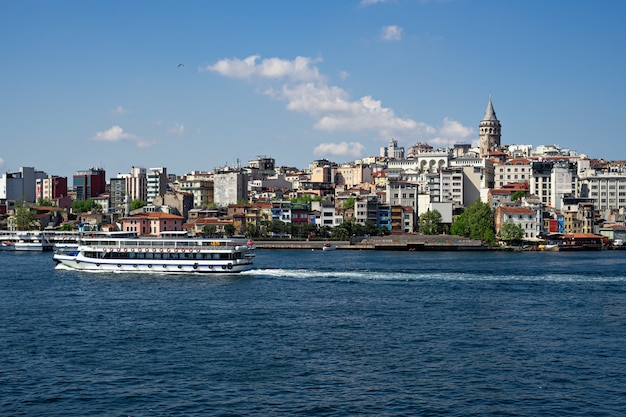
<point x="312" y="333"/>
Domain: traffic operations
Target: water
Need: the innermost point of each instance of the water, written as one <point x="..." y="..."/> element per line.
<point x="315" y="333"/>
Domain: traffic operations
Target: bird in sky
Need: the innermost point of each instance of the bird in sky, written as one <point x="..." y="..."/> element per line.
<point x="180" y="65"/>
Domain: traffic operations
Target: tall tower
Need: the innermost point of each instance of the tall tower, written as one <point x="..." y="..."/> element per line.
<point x="490" y="130"/>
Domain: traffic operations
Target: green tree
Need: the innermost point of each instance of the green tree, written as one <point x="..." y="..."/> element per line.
<point x="349" y="203"/>
<point x="278" y="227"/>
<point x="350" y="228"/>
<point x="229" y="229"/>
<point x="24" y="218"/>
<point x="43" y="202"/>
<point x="518" y="195"/>
<point x="324" y="231"/>
<point x="429" y="223"/>
<point x="66" y="227"/>
<point x="476" y="222"/>
<point x="137" y="204"/>
<point x="82" y="206"/>
<point x="251" y="230"/>
<point x="340" y="233"/>
<point x="369" y="228"/>
<point x="303" y="199"/>
<point x="209" y="230"/>
<point x="511" y="232"/>
<point x="383" y="231"/>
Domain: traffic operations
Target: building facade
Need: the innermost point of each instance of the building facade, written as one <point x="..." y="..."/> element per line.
<point x="89" y="183"/>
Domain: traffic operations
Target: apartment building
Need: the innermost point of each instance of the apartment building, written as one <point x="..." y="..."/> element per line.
<point x="401" y="193"/>
<point x="89" y="183"/>
<point x="552" y="181"/>
<point x="156" y="182"/>
<point x="606" y="188"/>
<point x="517" y="170"/>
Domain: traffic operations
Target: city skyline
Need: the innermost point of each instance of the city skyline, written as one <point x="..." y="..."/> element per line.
<point x="195" y="85"/>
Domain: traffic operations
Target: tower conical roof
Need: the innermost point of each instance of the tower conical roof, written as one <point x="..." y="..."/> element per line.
<point x="490" y="113"/>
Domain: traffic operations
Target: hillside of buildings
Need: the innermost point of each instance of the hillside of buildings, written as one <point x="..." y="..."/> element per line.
<point x="533" y="191"/>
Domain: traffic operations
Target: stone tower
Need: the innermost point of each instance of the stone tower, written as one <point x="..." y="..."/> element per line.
<point x="490" y="130"/>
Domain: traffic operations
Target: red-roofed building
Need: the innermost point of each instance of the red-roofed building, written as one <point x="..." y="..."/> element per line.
<point x="502" y="196"/>
<point x="526" y="217"/>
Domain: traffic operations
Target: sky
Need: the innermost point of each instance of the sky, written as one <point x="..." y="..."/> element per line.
<point x="196" y="85"/>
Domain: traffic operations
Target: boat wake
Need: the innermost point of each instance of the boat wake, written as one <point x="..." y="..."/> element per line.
<point x="405" y="275"/>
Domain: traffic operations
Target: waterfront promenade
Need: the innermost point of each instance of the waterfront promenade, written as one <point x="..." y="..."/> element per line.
<point x="399" y="243"/>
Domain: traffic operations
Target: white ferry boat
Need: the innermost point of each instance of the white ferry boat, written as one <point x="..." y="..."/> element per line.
<point x="26" y="241"/>
<point x="162" y="255"/>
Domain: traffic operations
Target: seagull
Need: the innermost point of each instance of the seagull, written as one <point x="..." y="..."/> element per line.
<point x="180" y="65"/>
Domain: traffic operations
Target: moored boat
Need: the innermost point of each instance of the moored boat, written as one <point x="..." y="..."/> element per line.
<point x="157" y="255"/>
<point x="24" y="241"/>
<point x="328" y="246"/>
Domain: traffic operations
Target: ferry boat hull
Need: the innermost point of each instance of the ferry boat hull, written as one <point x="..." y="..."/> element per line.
<point x="81" y="263"/>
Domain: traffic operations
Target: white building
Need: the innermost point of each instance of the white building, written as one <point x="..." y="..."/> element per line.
<point x="230" y="187"/>
<point x="518" y="170"/>
<point x="157" y="182"/>
<point x="325" y="214"/>
<point x="392" y="151"/>
<point x="551" y="181"/>
<point x="136" y="183"/>
<point x="430" y="161"/>
<point x="477" y="177"/>
<point x="525" y="217"/>
<point x="400" y="193"/>
<point x="607" y="189"/>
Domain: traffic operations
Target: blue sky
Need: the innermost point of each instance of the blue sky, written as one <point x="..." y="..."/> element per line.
<point x="99" y="83"/>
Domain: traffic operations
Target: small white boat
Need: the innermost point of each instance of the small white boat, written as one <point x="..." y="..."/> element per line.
<point x="157" y="255"/>
<point x="327" y="246"/>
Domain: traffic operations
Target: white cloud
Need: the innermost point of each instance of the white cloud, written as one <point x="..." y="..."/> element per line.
<point x="336" y="112"/>
<point x="455" y="130"/>
<point x="114" y="134"/>
<point x="117" y="134"/>
<point x="119" y="110"/>
<point x="392" y="33"/>
<point x="451" y="132"/>
<point x="300" y="69"/>
<point x="344" y="74"/>
<point x="178" y="129"/>
<point x="370" y="2"/>
<point x="145" y="143"/>
<point x="352" y="149"/>
<point x="304" y="89"/>
<point x="1" y="162"/>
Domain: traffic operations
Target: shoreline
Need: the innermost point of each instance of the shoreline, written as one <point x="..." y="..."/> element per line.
<point x="389" y="243"/>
